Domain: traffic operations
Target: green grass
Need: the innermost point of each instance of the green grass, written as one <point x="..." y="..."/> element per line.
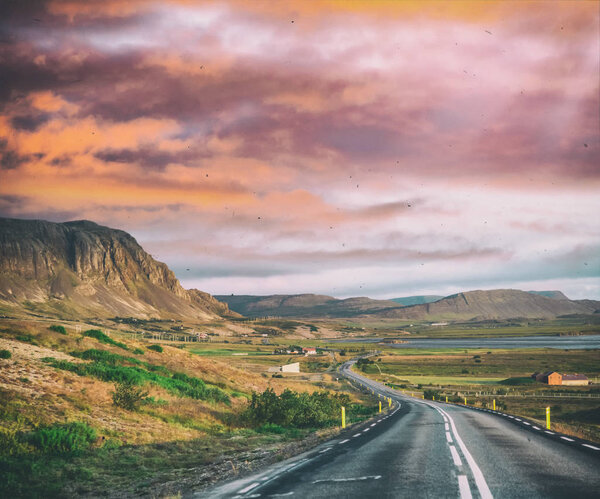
<point x="103" y="338"/>
<point x="62" y="438"/>
<point x="111" y="367"/>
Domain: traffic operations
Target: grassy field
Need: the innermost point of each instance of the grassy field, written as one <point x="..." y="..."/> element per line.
<point x="588" y="324"/>
<point x="504" y="375"/>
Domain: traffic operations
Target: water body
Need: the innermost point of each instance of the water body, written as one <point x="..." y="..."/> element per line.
<point x="560" y="342"/>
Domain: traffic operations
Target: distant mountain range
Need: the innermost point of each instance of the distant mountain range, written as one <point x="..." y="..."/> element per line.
<point x="471" y="305"/>
<point x="81" y="269"/>
<point x="416" y="300"/>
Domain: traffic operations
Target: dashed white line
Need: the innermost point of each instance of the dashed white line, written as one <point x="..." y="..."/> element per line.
<point x="352" y="479"/>
<point x="455" y="456"/>
<point x="248" y="488"/>
<point x="568" y="439"/>
<point x="446" y="427"/>
<point x="366" y="430"/>
<point x="525" y="422"/>
<point x="325" y="450"/>
<point x="373" y="425"/>
<point x="549" y="432"/>
<point x="535" y="428"/>
<point x="344" y="441"/>
<point x="463" y="487"/>
<point x="357" y="435"/>
<point x="448" y="437"/>
<point x="591" y="446"/>
<point x="517" y="419"/>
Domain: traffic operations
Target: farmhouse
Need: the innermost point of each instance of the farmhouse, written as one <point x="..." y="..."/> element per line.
<point x="310" y="351"/>
<point x="555" y="378"/>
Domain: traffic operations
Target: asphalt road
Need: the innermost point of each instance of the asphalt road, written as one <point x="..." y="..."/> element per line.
<point x="430" y="449"/>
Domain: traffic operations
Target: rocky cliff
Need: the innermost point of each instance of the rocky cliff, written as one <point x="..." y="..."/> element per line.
<point x="81" y="267"/>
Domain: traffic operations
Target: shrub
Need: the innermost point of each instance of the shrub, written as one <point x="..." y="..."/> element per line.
<point x="138" y="351"/>
<point x="128" y="396"/>
<point x="62" y="438"/>
<point x="5" y="354"/>
<point x="156" y="348"/>
<point x="429" y="394"/>
<point x="58" y="329"/>
<point x="102" y="338"/>
<point x="292" y="409"/>
<point x="26" y="338"/>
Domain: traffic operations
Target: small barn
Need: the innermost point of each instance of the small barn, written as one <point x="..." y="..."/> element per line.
<point x="575" y="379"/>
<point x="288" y="368"/>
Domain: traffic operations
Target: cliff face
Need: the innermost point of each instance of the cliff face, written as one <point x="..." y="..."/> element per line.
<point x="81" y="266"/>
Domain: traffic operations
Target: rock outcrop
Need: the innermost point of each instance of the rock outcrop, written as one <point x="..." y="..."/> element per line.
<point x="82" y="267"/>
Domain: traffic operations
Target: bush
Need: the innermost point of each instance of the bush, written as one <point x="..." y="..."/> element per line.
<point x="429" y="394"/>
<point x="62" y="438"/>
<point x="5" y="354"/>
<point x="156" y="348"/>
<point x="138" y="351"/>
<point x="102" y="338"/>
<point x="292" y="409"/>
<point x="128" y="396"/>
<point x="25" y="338"/>
<point x="58" y="329"/>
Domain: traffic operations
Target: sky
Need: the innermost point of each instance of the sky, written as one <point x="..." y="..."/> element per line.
<point x="349" y="148"/>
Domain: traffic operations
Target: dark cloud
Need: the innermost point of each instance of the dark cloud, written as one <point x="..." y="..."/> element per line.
<point x="9" y="158"/>
<point x="150" y="157"/>
<point x="29" y="122"/>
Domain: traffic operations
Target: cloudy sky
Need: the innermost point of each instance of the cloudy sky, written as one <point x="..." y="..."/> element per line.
<point x="372" y="148"/>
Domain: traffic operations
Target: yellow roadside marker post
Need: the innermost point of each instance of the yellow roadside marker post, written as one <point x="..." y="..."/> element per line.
<point x="446" y="399"/>
<point x="494" y="401"/>
<point x="423" y="396"/>
<point x="380" y="406"/>
<point x="465" y="400"/>
<point x="547" y="418"/>
<point x="433" y="397"/>
<point x="389" y="401"/>
<point x="343" y="417"/>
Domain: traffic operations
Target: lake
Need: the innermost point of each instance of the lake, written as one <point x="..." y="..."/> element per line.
<point x="561" y="342"/>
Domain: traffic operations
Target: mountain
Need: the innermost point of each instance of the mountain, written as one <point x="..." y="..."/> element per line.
<point x="303" y="305"/>
<point x="556" y="295"/>
<point x="406" y="301"/>
<point x="480" y="305"/>
<point x="493" y="304"/>
<point x="73" y="268"/>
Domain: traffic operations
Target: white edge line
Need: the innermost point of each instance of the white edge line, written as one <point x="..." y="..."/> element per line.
<point x="568" y="439"/>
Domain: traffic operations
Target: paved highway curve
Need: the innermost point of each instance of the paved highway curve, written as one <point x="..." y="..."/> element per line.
<point x="430" y="449"/>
